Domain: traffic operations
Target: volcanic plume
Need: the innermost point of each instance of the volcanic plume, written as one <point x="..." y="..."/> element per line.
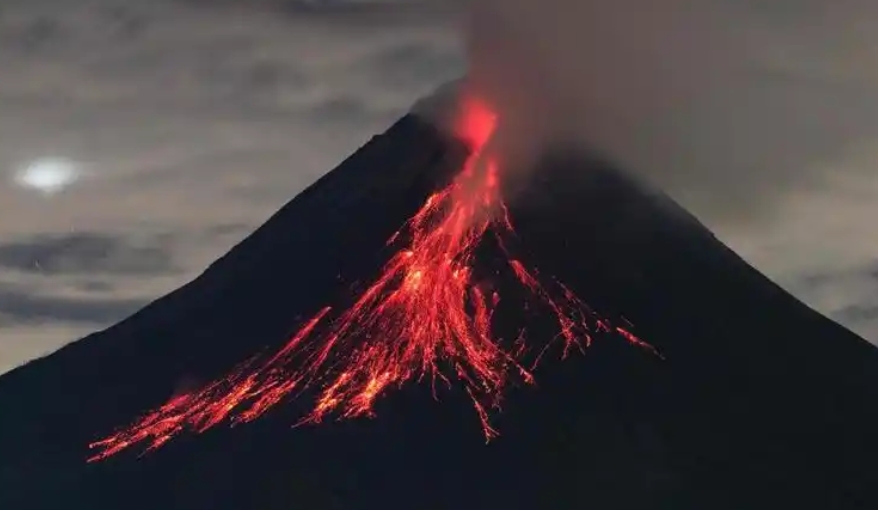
<point x="427" y="316"/>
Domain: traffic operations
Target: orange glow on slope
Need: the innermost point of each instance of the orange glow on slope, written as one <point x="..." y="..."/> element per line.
<point x="424" y="317"/>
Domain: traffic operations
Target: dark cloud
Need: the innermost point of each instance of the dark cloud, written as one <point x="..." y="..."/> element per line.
<point x="125" y="22"/>
<point x="36" y="34"/>
<point x="415" y="65"/>
<point x="45" y="31"/>
<point x="858" y="313"/>
<point x="848" y="295"/>
<point x="343" y="6"/>
<point x="228" y="229"/>
<point x="88" y="253"/>
<point x="21" y="308"/>
<point x="225" y="69"/>
<point x="94" y="287"/>
<point x="345" y="111"/>
<point x="812" y="281"/>
<point x="360" y="14"/>
<point x="363" y="12"/>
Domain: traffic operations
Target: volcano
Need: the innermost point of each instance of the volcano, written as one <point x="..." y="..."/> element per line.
<point x="357" y="351"/>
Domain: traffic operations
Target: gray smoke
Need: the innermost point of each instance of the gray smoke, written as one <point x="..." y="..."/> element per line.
<point x="724" y="104"/>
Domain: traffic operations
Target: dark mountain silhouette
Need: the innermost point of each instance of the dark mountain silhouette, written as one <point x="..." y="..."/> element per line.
<point x="760" y="403"/>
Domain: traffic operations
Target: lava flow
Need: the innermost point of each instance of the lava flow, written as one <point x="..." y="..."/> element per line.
<point x="425" y="317"/>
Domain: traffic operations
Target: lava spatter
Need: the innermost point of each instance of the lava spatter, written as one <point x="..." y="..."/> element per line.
<point x="424" y="317"/>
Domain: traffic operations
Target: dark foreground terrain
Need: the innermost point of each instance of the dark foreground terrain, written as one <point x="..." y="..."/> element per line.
<point x="760" y="403"/>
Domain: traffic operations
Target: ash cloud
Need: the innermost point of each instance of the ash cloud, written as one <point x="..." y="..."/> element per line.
<point x="18" y="308"/>
<point x="725" y="105"/>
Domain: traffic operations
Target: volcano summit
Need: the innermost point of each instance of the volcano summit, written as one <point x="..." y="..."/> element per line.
<point x="624" y="356"/>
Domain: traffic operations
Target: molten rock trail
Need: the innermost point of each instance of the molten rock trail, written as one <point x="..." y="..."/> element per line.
<point x="425" y="317"/>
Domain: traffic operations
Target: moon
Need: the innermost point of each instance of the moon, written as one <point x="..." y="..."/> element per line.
<point x="48" y="175"/>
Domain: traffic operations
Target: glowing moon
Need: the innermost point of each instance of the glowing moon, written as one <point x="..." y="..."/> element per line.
<point x="48" y="175"/>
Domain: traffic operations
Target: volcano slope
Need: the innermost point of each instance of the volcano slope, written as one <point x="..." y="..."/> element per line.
<point x="757" y="401"/>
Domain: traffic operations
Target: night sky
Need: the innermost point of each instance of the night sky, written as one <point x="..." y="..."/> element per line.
<point x="139" y="141"/>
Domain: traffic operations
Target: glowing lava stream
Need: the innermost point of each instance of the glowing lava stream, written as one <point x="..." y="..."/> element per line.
<point x="424" y="316"/>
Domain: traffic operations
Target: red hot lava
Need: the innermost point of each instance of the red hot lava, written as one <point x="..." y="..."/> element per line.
<point x="424" y="317"/>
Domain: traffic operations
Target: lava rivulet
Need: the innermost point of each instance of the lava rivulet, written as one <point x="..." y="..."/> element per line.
<point x="425" y="317"/>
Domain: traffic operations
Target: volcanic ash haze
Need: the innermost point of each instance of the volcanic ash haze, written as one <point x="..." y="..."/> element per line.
<point x="727" y="106"/>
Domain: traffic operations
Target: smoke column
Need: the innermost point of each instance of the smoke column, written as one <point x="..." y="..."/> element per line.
<point x="722" y="104"/>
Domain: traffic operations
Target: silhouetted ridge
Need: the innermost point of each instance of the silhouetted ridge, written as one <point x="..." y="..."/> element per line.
<point x="761" y="403"/>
